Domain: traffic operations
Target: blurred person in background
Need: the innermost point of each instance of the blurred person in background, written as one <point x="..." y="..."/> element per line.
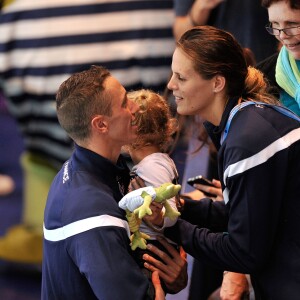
<point x="283" y="68"/>
<point x="244" y="19"/>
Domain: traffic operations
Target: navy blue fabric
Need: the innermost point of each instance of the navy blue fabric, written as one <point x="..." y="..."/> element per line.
<point x="262" y="236"/>
<point x="95" y="264"/>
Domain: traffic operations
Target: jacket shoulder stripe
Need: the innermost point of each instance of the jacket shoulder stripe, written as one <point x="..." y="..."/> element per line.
<point x="62" y="233"/>
<point x="262" y="156"/>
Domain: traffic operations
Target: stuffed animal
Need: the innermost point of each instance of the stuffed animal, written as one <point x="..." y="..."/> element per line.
<point x="137" y="205"/>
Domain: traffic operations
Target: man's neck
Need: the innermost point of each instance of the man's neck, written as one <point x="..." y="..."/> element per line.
<point x="105" y="150"/>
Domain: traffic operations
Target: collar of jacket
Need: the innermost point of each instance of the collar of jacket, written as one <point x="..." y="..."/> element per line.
<point x="215" y="132"/>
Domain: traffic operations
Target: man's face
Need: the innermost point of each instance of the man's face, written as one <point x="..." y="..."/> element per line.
<point x="282" y="16"/>
<point x="121" y="128"/>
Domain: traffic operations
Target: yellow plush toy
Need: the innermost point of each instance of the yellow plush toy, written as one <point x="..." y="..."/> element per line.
<point x="137" y="205"/>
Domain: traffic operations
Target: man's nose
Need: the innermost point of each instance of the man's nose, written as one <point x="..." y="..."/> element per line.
<point x="134" y="107"/>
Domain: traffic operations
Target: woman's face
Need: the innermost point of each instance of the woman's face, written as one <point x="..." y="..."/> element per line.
<point x="282" y="16"/>
<point x="193" y="94"/>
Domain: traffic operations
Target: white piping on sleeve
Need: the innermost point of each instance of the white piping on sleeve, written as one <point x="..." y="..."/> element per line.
<point x="62" y="233"/>
<point x="260" y="157"/>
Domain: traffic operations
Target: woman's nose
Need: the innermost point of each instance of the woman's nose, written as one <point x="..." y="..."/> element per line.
<point x="283" y="35"/>
<point x="171" y="85"/>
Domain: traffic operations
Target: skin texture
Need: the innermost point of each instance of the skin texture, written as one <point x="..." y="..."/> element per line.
<point x="117" y="129"/>
<point x="159" y="292"/>
<point x="282" y="16"/>
<point x="171" y="270"/>
<point x="233" y="286"/>
<point x="200" y="188"/>
<point x="193" y="94"/>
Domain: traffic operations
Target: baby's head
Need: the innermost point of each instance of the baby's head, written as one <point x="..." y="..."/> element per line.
<point x="154" y="121"/>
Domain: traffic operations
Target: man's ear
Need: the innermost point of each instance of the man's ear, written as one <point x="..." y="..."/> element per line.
<point x="219" y="83"/>
<point x="99" y="124"/>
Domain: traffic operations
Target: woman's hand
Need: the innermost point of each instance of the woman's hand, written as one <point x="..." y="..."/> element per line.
<point x="216" y="190"/>
<point x="172" y="269"/>
<point x="159" y="292"/>
<point x="234" y="286"/>
<point x="201" y="190"/>
<point x="194" y="195"/>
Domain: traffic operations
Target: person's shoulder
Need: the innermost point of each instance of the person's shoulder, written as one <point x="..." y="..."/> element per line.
<point x="262" y="123"/>
<point x="87" y="195"/>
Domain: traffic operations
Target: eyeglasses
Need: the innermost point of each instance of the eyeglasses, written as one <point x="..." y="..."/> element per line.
<point x="290" y="31"/>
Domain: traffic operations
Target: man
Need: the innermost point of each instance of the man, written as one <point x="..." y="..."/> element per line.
<point x="86" y="237"/>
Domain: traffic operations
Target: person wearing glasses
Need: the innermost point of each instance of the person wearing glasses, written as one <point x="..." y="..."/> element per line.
<point x="283" y="68"/>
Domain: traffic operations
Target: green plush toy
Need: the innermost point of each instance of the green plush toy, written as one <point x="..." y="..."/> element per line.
<point x="137" y="205"/>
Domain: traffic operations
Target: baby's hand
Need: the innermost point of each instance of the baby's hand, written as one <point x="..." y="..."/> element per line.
<point x="136" y="183"/>
<point x="157" y="217"/>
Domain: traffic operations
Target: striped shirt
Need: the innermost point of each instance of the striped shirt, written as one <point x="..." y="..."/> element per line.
<point x="43" y="42"/>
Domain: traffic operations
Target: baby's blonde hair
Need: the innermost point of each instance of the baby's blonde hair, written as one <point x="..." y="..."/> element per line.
<point x="154" y="121"/>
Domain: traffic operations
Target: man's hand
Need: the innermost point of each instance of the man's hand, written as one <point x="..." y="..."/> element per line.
<point x="172" y="269"/>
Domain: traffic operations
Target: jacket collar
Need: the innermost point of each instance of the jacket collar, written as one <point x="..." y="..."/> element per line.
<point x="215" y="132"/>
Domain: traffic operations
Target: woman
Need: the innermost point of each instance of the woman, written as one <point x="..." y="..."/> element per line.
<point x="283" y="69"/>
<point x="258" y="171"/>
